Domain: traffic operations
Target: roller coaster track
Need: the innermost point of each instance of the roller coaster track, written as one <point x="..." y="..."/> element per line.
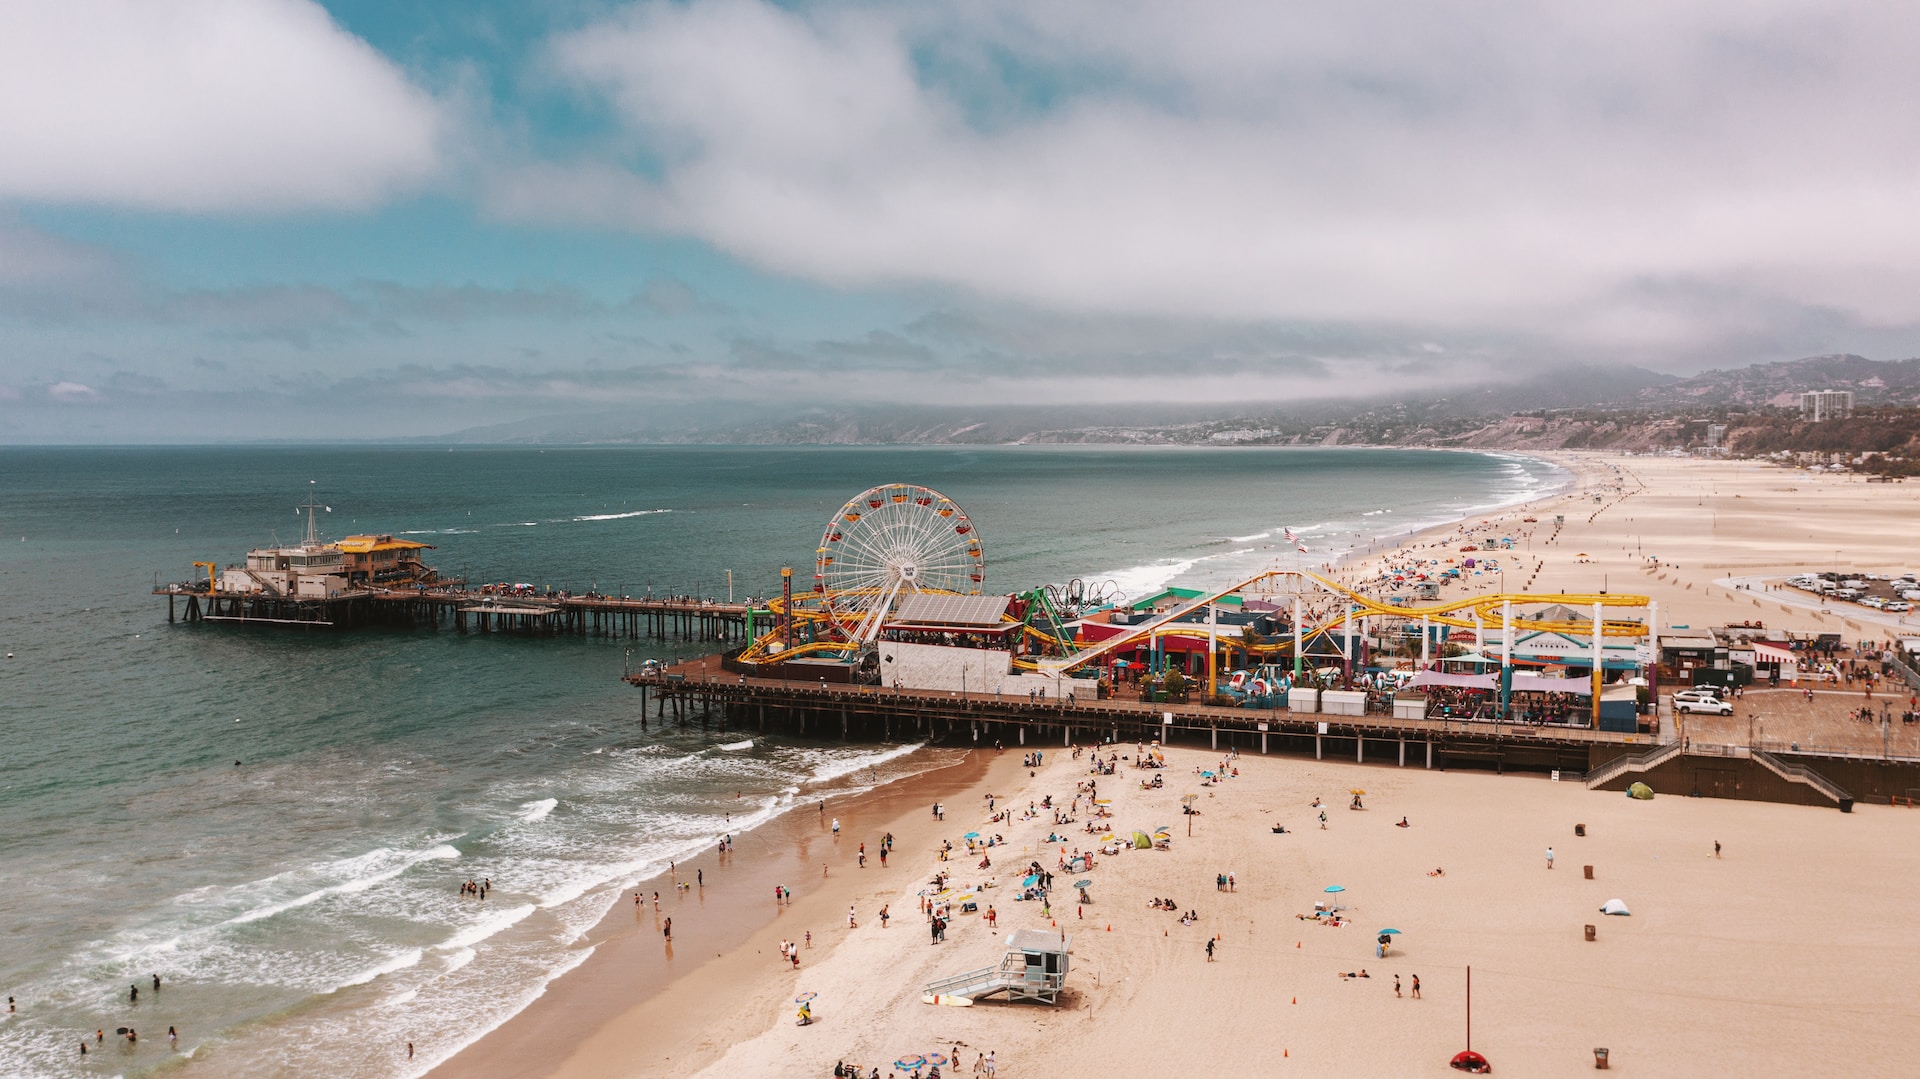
<point x="1473" y="612"/>
<point x="1457" y="613"/>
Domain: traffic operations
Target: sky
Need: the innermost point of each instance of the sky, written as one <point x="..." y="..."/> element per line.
<point x="261" y="219"/>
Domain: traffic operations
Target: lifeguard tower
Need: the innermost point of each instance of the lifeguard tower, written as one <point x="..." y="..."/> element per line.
<point x="1034" y="968"/>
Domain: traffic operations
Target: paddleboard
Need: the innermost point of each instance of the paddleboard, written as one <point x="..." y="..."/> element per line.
<point x="951" y="1002"/>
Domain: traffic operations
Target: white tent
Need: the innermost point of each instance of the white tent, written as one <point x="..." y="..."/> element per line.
<point x="1615" y="906"/>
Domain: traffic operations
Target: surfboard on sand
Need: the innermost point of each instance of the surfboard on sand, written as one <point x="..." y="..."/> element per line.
<point x="951" y="1002"/>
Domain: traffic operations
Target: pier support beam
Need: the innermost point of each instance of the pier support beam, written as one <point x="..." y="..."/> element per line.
<point x="1429" y="754"/>
<point x="1316" y="746"/>
<point x="1360" y="749"/>
<point x="1263" y="743"/>
<point x="1403" y="752"/>
<point x="1213" y="738"/>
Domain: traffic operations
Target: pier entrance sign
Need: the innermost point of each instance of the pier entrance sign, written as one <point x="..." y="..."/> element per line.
<point x="890" y="542"/>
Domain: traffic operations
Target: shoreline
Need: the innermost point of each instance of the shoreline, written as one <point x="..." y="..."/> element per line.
<point x="721" y="923"/>
<point x="1726" y="941"/>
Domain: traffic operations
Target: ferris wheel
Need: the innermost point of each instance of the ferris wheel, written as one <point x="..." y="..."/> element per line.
<point x="892" y="541"/>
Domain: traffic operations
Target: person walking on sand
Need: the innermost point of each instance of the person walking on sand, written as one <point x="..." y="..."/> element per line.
<point x="1416" y="986"/>
<point x="1716" y="848"/>
<point x="1396" y="985"/>
<point x="851" y="924"/>
<point x="1209" y="949"/>
<point x="1549" y="857"/>
<point x="667" y="930"/>
<point x="836" y="826"/>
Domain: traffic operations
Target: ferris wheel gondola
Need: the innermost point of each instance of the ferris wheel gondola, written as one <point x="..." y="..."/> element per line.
<point x="889" y="542"/>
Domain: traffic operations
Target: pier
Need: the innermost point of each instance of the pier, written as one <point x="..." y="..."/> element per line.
<point x="468" y="611"/>
<point x="713" y="691"/>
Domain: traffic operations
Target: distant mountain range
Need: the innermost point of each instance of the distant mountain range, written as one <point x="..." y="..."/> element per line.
<point x="1576" y="407"/>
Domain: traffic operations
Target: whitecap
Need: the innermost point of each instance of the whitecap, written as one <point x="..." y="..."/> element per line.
<point x="533" y="811"/>
<point x="486" y="927"/>
<point x="618" y="516"/>
<point x="399" y="962"/>
<point x="735" y="746"/>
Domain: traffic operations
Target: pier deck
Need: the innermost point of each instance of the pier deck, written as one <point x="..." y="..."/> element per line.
<point x="707" y="691"/>
<point x="471" y="611"/>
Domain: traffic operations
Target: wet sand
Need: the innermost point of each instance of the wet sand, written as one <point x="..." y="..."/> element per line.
<point x="724" y="930"/>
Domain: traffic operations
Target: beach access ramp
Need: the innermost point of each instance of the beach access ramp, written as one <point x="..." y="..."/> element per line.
<point x="1033" y="968"/>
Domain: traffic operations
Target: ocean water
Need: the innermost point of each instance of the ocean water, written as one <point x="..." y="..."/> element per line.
<point x="302" y="907"/>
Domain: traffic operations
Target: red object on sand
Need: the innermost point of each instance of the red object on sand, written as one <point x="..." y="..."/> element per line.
<point x="1467" y="1060"/>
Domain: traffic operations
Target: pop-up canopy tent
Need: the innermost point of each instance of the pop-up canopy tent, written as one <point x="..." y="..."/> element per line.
<point x="1640" y="791"/>
<point x="1615" y="906"/>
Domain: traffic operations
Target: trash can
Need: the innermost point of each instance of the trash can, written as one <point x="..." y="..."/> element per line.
<point x="1579" y="829"/>
<point x="1589" y="932"/>
<point x="1589" y="870"/>
<point x="1600" y="1059"/>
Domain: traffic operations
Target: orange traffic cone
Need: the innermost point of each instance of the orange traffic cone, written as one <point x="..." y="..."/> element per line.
<point x="1295" y="1000"/>
<point x="1109" y="927"/>
<point x="1284" y="1053"/>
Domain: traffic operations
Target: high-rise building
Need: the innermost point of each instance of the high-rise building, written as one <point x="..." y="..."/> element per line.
<point x="1818" y="405"/>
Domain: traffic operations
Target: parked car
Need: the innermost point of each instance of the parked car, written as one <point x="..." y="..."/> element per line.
<point x="1700" y="700"/>
<point x="1873" y="601"/>
<point x="1899" y="606"/>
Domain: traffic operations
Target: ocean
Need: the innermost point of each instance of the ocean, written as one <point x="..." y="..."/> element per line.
<point x="277" y="822"/>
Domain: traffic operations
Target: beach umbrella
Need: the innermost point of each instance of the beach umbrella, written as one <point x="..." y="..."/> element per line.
<point x="1355" y="790"/>
<point x="1083" y="884"/>
<point x="804" y="997"/>
<point x="1334" y="888"/>
<point x="1103" y="801"/>
<point x="1388" y="932"/>
<point x="938" y="1060"/>
<point x="1030" y="880"/>
<point x="907" y="1064"/>
<point x="971" y="835"/>
<point x="1189" y="797"/>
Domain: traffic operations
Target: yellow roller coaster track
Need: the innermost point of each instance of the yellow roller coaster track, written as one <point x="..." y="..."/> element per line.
<point x="1489" y="608"/>
<point x="1458" y="613"/>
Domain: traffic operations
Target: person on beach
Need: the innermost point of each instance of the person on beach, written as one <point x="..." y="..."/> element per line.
<point x="173" y="1037"/>
<point x="667" y="930"/>
<point x="1549" y="857"/>
<point x="1416" y="987"/>
<point x="883" y="915"/>
<point x="836" y="826"/>
<point x="1209" y="949"/>
<point x="1716" y="851"/>
<point x="1396" y="985"/>
<point x="409" y="1050"/>
<point x="851" y="924"/>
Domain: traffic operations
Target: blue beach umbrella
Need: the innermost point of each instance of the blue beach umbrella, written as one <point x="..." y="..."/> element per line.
<point x="804" y="997"/>
<point x="907" y="1064"/>
<point x="972" y="835"/>
<point x="1389" y="932"/>
<point x="938" y="1060"/>
<point x="1030" y="881"/>
<point x="1331" y="888"/>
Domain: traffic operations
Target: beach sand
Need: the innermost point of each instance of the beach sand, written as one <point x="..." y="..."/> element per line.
<point x="1785" y="956"/>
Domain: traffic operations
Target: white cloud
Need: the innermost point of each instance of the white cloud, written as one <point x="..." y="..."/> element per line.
<point x="71" y="391"/>
<point x="1644" y="174"/>
<point x="204" y="105"/>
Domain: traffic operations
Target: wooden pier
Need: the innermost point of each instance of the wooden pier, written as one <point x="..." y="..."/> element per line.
<point x="468" y="611"/>
<point x="707" y="692"/>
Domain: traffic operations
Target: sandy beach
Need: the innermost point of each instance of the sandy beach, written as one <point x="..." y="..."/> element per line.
<point x="1783" y="955"/>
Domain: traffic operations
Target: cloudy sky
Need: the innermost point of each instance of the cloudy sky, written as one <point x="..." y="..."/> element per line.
<point x="279" y="218"/>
